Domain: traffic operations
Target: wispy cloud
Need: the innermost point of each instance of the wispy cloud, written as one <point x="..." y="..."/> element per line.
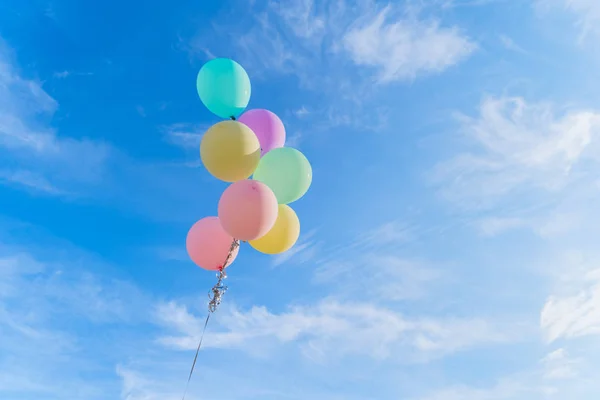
<point x="303" y="251"/>
<point x="186" y="136"/>
<point x="399" y="46"/>
<point x="401" y="50"/>
<point x="556" y="375"/>
<point x="301" y="112"/>
<point x="42" y="347"/>
<point x="507" y="389"/>
<point x="351" y="326"/>
<point x="559" y="365"/>
<point x="66" y="74"/>
<point x="322" y="332"/>
<point x="464" y="3"/>
<point x="136" y="386"/>
<point x="575" y="313"/>
<point x="585" y="12"/>
<point x="373" y="265"/>
<point x="47" y="160"/>
<point x="378" y="277"/>
<point x="340" y="49"/>
<point x="38" y="158"/>
<point x="389" y="234"/>
<point x="27" y="179"/>
<point x="518" y="147"/>
<point x="62" y="74"/>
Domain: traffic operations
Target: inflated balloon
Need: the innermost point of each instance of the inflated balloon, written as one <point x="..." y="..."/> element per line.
<point x="248" y="210"/>
<point x="287" y="172"/>
<point x="224" y="87"/>
<point x="208" y="244"/>
<point x="282" y="236"/>
<point x="230" y="151"/>
<point x="268" y="128"/>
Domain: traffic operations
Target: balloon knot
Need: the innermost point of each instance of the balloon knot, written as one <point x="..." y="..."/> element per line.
<point x="232" y="118"/>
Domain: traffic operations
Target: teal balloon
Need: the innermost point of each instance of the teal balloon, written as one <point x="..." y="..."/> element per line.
<point x="287" y="172"/>
<point x="224" y="87"/>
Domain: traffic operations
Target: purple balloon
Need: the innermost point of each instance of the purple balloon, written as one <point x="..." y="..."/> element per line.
<point x="267" y="126"/>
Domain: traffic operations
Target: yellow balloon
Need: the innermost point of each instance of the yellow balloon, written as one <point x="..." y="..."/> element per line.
<point x="282" y="236"/>
<point x="230" y="151"/>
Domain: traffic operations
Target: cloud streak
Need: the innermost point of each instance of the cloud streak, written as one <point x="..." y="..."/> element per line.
<point x="339" y="50"/>
<point x="518" y="147"/>
<point x="47" y="162"/>
<point x="574" y="314"/>
<point x="405" y="49"/>
<point x="585" y="12"/>
<point x="332" y="329"/>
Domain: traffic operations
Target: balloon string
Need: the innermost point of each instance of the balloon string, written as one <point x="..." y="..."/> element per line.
<point x="215" y="295"/>
<point x="195" y="357"/>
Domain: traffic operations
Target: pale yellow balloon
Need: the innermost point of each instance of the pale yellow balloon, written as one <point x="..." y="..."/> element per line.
<point x="282" y="236"/>
<point x="230" y="151"/>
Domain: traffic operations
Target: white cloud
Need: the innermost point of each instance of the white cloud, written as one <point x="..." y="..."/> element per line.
<point x="62" y="74"/>
<point x="556" y="376"/>
<point x="186" y="136"/>
<point x="39" y="349"/>
<point x="37" y="158"/>
<point x="301" y="112"/>
<point x="331" y="329"/>
<point x="509" y="389"/>
<point x="46" y="160"/>
<point x="137" y="387"/>
<point x="519" y="147"/>
<point x="559" y="223"/>
<point x="263" y="47"/>
<point x="558" y="365"/>
<point x="327" y="47"/>
<point x="586" y="13"/>
<point x="575" y="313"/>
<point x="403" y="49"/>
<point x="378" y="277"/>
<point x="30" y="180"/>
<point x="313" y="336"/>
<point x="397" y="46"/>
<point x="372" y="265"/>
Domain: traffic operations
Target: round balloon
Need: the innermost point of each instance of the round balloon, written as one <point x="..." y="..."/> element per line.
<point x="230" y="151"/>
<point x="287" y="172"/>
<point x="208" y="244"/>
<point x="282" y="236"/>
<point x="224" y="87"/>
<point x="268" y="128"/>
<point x="247" y="210"/>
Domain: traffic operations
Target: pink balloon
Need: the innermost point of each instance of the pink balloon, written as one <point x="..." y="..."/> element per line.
<point x="208" y="244"/>
<point x="248" y="209"/>
<point x="268" y="128"/>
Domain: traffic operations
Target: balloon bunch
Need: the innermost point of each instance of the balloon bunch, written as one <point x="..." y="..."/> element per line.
<point x="246" y="144"/>
<point x="250" y="210"/>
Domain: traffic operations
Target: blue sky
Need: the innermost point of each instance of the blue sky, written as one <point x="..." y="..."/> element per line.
<point x="449" y="239"/>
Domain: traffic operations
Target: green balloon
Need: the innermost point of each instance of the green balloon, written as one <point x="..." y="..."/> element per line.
<point x="224" y="87"/>
<point x="287" y="172"/>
